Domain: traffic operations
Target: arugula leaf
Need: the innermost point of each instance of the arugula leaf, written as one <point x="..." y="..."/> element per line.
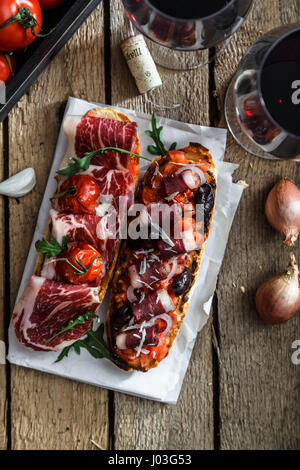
<point x="64" y="353"/>
<point x="82" y="164"/>
<point x="73" y="323"/>
<point x="94" y="343"/>
<point x="51" y="248"/>
<point x="156" y="135"/>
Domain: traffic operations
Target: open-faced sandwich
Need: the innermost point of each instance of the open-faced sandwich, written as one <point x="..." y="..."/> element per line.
<point x="159" y="263"/>
<point x="78" y="252"/>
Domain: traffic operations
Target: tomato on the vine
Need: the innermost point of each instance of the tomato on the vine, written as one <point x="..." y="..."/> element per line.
<point x="49" y="4"/>
<point x="20" y="23"/>
<point x="7" y="67"/>
<point x="80" y="263"/>
<point x="79" y="194"/>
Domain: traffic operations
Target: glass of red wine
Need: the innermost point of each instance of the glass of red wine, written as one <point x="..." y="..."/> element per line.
<point x="188" y="27"/>
<point x="262" y="104"/>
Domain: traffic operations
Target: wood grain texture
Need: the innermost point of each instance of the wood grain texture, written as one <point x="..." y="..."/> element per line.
<point x="259" y="386"/>
<point x="49" y="412"/>
<point x="141" y="423"/>
<point x="3" y="371"/>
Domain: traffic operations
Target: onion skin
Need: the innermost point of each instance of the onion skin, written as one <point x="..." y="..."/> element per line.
<point x="278" y="298"/>
<point x="283" y="210"/>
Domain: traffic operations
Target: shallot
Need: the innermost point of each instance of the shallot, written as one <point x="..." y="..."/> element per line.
<point x="278" y="298"/>
<point x="283" y="210"/>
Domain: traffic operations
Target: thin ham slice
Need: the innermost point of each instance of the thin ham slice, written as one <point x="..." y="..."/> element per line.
<point x="146" y="272"/>
<point x="132" y="339"/>
<point x="154" y="303"/>
<point x="46" y="307"/>
<point x="174" y="184"/>
<point x="81" y="228"/>
<point x="189" y="241"/>
<point x="93" y="133"/>
<point x="115" y="186"/>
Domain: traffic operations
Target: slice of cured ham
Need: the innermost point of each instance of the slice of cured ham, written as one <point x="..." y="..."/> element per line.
<point x="152" y="304"/>
<point x="133" y="338"/>
<point x="190" y="240"/>
<point x="146" y="272"/>
<point x="83" y="228"/>
<point x="46" y="307"/>
<point x="115" y="186"/>
<point x="87" y="133"/>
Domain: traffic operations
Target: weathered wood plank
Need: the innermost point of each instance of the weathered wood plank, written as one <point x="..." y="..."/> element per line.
<point x="49" y="412"/>
<point x="258" y="384"/>
<point x="3" y="389"/>
<point x="289" y="11"/>
<point x="146" y="424"/>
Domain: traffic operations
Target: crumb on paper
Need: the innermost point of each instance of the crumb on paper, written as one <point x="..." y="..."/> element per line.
<point x="243" y="183"/>
<point x="243" y="289"/>
<point x="97" y="445"/>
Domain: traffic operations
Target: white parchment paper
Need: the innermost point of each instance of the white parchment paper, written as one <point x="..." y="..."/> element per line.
<point x="163" y="383"/>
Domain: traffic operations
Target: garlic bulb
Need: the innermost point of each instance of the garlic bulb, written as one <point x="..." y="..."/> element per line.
<point x="19" y="184"/>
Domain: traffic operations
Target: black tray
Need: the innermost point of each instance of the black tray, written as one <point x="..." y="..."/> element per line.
<point x="71" y="15"/>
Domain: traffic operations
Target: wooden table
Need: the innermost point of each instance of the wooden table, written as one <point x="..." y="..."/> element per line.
<point x="241" y="390"/>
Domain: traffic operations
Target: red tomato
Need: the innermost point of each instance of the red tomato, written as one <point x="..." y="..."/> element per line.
<point x="177" y="156"/>
<point x="49" y="4"/>
<point x="18" y="34"/>
<point x="82" y="253"/>
<point x="85" y="198"/>
<point x="5" y="70"/>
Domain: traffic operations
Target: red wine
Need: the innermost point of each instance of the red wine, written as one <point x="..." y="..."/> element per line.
<point x="189" y="9"/>
<point x="280" y="84"/>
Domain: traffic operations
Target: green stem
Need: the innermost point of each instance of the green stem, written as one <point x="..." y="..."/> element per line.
<point x="84" y="269"/>
<point x="71" y="191"/>
<point x="71" y="325"/>
<point x="26" y="19"/>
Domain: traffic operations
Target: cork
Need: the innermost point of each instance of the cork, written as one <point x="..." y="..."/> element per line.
<point x="141" y="63"/>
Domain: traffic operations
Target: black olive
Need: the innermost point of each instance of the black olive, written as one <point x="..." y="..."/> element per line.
<point x="205" y="196"/>
<point x="182" y="282"/>
<point x="121" y="317"/>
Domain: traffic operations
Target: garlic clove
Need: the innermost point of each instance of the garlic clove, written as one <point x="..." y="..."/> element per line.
<point x="19" y="184"/>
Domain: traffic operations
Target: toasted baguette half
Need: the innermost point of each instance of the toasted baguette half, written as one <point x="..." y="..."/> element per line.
<point x="107" y="113"/>
<point x="194" y="152"/>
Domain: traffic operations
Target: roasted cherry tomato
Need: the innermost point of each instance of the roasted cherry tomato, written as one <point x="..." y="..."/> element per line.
<point x="79" y="194"/>
<point x="177" y="156"/>
<point x="50" y="4"/>
<point x="80" y="263"/>
<point x="7" y="67"/>
<point x="25" y="22"/>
